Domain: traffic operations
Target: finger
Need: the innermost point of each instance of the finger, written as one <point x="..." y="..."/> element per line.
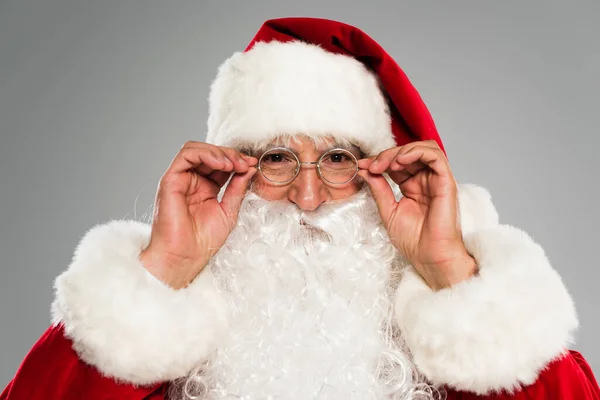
<point x="420" y="143"/>
<point x="382" y="193"/>
<point x="192" y="157"/>
<point x="220" y="154"/>
<point x="202" y="159"/>
<point x="364" y="163"/>
<point x="399" y="177"/>
<point x="384" y="160"/>
<point x="216" y="151"/>
<point x="412" y="168"/>
<point x="250" y="160"/>
<point x="219" y="177"/>
<point x="235" y="192"/>
<point x="395" y="166"/>
<point x="240" y="160"/>
<point x="240" y="164"/>
<point x="225" y="154"/>
<point x="417" y="157"/>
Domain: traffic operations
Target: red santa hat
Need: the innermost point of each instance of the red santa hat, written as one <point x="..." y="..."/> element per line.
<point x="316" y="77"/>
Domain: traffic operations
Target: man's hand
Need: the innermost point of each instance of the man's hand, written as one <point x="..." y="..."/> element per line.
<point x="424" y="225"/>
<point x="190" y="225"/>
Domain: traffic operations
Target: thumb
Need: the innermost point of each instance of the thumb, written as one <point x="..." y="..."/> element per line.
<point x="235" y="192"/>
<point x="382" y="192"/>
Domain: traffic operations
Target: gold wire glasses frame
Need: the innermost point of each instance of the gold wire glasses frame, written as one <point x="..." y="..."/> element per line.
<point x="291" y="165"/>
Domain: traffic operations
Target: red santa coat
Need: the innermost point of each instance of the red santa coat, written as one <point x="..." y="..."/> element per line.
<point x="53" y="371"/>
<point x="501" y="335"/>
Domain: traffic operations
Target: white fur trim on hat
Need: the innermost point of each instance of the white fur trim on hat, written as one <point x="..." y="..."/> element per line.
<point x="498" y="329"/>
<point x="127" y="323"/>
<point x="297" y="88"/>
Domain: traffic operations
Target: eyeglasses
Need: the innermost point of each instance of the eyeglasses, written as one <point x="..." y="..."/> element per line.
<point x="281" y="165"/>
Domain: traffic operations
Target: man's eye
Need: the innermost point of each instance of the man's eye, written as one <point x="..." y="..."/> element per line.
<point x="275" y="158"/>
<point x="337" y="158"/>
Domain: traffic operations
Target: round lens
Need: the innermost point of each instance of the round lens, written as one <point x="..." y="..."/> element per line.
<point x="278" y="165"/>
<point x="338" y="166"/>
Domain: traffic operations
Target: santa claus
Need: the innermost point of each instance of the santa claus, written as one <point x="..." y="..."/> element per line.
<point x="317" y="246"/>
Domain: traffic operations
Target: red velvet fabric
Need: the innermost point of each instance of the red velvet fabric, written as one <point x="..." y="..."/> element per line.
<point x="52" y="371"/>
<point x="411" y="120"/>
<point x="568" y="378"/>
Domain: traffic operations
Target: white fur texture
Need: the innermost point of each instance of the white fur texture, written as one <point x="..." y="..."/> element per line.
<point x="497" y="330"/>
<point x="127" y="323"/>
<point x="297" y="88"/>
<point x="312" y="309"/>
<point x="477" y="211"/>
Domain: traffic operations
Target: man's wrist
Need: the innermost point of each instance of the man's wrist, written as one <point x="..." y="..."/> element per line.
<point x="448" y="274"/>
<point x="174" y="273"/>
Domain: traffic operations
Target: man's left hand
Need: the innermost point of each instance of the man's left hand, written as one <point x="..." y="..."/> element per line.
<point x="425" y="224"/>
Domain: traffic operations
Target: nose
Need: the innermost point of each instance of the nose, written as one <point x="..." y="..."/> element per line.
<point x="308" y="191"/>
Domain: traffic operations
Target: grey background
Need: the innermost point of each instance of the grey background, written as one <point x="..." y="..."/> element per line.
<point x="95" y="99"/>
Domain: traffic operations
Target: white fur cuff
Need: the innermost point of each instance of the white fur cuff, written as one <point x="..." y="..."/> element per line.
<point x="497" y="330"/>
<point x="125" y="322"/>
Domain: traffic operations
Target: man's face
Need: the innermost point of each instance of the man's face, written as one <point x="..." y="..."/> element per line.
<point x="309" y="291"/>
<point x="308" y="190"/>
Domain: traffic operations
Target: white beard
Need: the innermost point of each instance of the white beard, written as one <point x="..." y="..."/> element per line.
<point x="311" y="299"/>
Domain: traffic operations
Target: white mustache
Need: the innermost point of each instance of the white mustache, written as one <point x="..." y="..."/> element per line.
<point x="327" y="224"/>
<point x="329" y="215"/>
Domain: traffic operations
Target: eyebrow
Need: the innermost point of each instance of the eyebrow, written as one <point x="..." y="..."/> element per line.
<point x="255" y="152"/>
<point x="336" y="145"/>
<point x="347" y="146"/>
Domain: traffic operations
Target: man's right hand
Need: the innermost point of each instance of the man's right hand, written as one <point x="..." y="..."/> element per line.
<point x="189" y="224"/>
